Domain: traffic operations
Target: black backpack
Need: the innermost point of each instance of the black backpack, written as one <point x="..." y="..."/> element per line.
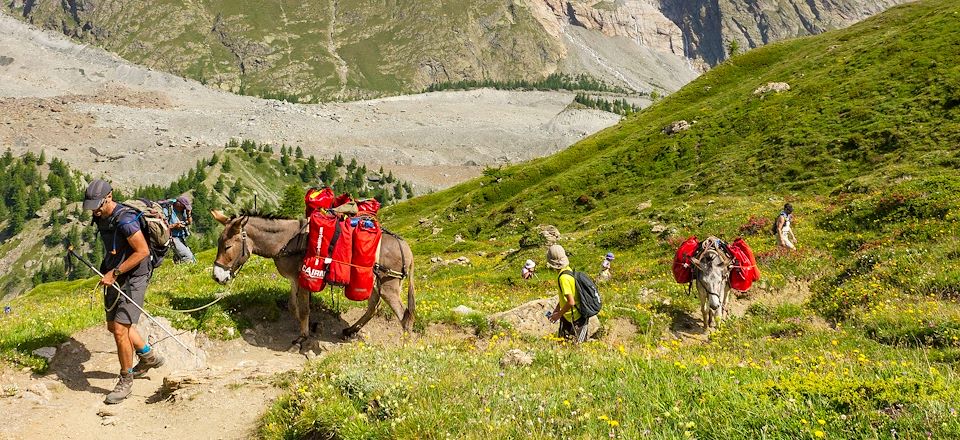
<point x="588" y="297"/>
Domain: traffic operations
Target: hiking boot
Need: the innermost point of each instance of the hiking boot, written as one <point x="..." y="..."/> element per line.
<point x="147" y="361"/>
<point x="122" y="390"/>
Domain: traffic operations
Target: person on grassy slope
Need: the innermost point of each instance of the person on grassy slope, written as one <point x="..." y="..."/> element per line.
<point x="179" y="216"/>
<point x="605" y="274"/>
<point x="528" y="270"/>
<point x="784" y="231"/>
<point x="572" y="325"/>
<point x="126" y="262"/>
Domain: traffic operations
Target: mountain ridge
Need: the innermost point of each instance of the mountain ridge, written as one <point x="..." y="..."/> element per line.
<point x="323" y="50"/>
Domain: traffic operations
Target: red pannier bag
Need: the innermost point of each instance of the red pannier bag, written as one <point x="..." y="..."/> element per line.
<point x="745" y="271"/>
<point x="318" y="199"/>
<point x="682" y="269"/>
<point x="368" y="206"/>
<point x="340" y="248"/>
<point x="313" y="270"/>
<point x="366" y="238"/>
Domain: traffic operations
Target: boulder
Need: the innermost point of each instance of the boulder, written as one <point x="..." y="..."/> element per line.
<point x="176" y="357"/>
<point x="530" y="318"/>
<point x="775" y="87"/>
<point x="550" y="234"/>
<point x="676" y="127"/>
<point x="516" y="358"/>
<point x="46" y="352"/>
<point x="462" y="310"/>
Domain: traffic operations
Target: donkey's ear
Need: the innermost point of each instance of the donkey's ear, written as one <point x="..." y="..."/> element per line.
<point x="218" y="216"/>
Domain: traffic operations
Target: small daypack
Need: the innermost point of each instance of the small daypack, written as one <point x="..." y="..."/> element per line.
<point x="587" y="295"/>
<point x="154" y="225"/>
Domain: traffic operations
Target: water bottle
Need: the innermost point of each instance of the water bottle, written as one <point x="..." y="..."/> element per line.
<point x="354" y="221"/>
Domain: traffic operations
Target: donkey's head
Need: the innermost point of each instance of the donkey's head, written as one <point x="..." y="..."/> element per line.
<point x="713" y="273"/>
<point x="233" y="249"/>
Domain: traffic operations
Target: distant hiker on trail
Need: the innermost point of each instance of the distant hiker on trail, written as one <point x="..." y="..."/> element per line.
<point x="528" y="270"/>
<point x="572" y="325"/>
<point x="783" y="230"/>
<point x="604" y="275"/>
<point x="126" y="262"/>
<point x="180" y="215"/>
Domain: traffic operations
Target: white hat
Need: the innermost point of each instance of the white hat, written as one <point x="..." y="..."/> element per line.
<point x="529" y="264"/>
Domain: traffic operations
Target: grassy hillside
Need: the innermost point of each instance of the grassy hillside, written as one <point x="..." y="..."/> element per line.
<point x="318" y="49"/>
<point x="864" y="144"/>
<point x="862" y="341"/>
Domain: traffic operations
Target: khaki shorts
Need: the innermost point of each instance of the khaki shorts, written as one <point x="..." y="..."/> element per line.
<point x="124" y="312"/>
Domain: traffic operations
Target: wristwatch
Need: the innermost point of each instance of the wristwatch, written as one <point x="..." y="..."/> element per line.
<point x="116" y="272"/>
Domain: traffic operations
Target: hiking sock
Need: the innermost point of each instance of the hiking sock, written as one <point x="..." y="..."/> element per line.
<point x="144" y="350"/>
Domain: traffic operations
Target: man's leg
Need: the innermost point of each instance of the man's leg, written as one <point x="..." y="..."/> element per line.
<point x="182" y="251"/>
<point x="122" y="337"/>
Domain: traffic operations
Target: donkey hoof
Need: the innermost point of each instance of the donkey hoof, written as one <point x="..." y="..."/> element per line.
<point x="348" y="332"/>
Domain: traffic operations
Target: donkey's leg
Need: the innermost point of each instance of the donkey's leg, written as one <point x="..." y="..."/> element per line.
<point x="292" y="305"/>
<point x="705" y="313"/>
<point x="391" y="294"/>
<point x="303" y="314"/>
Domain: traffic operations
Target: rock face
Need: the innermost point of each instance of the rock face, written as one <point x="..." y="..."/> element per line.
<point x="700" y="30"/>
<point x="530" y="318"/>
<point x="318" y="48"/>
<point x="176" y="357"/>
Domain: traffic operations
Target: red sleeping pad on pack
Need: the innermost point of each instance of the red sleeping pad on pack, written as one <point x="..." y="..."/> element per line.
<point x="366" y="237"/>
<point x="745" y="271"/>
<point x="682" y="269"/>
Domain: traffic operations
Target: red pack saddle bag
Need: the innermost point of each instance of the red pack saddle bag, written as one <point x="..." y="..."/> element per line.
<point x="314" y="269"/>
<point x="340" y="248"/>
<point x="366" y="238"/>
<point x="745" y="271"/>
<point x="316" y="198"/>
<point x="682" y="269"/>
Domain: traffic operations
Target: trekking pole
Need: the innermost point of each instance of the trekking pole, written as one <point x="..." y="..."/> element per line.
<point x="116" y="286"/>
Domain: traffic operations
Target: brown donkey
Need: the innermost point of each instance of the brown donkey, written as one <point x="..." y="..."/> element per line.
<point x="285" y="241"/>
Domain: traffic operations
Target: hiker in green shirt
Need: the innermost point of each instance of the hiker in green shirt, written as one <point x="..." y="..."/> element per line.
<point x="572" y="325"/>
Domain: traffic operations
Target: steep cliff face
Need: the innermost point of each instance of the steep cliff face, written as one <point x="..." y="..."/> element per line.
<point x="700" y="30"/>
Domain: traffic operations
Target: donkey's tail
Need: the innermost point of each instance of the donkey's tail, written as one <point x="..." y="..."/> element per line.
<point x="410" y="315"/>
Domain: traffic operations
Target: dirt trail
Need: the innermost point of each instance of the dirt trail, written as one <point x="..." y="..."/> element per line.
<point x="233" y="390"/>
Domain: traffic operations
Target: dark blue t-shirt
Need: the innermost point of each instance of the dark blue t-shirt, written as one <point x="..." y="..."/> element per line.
<point x="114" y="231"/>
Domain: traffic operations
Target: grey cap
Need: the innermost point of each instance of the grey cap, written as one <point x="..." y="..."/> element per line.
<point x="96" y="192"/>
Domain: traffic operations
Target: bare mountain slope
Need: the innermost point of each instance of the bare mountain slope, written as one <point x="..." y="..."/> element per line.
<point x="105" y="115"/>
<point x="350" y="49"/>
